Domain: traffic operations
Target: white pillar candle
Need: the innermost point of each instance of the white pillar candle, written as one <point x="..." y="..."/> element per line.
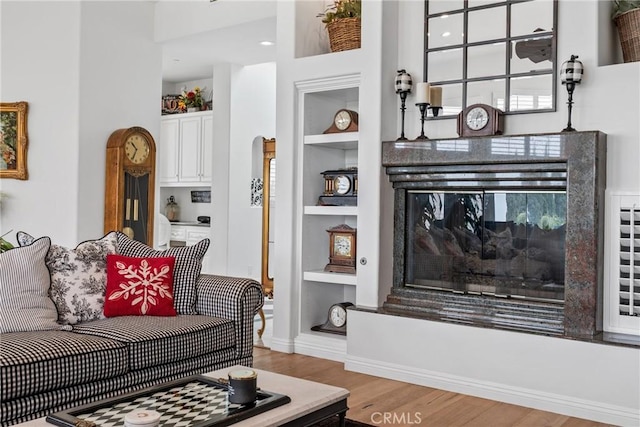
<point x="436" y="96"/>
<point x="422" y="93"/>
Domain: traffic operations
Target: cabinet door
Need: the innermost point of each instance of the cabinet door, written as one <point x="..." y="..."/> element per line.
<point x="190" y="136"/>
<point x="168" y="151"/>
<point x="207" y="150"/>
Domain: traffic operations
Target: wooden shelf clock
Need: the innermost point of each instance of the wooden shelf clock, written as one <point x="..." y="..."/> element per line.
<point x="130" y="184"/>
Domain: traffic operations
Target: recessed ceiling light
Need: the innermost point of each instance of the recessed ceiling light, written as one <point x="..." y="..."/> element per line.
<point x="444" y="16"/>
<point x="267" y="43"/>
<point x="446" y="34"/>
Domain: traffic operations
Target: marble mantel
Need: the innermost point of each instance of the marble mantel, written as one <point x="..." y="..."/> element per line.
<point x="571" y="161"/>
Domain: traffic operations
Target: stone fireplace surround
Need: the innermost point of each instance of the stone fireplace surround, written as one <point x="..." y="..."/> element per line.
<point x="571" y="161"/>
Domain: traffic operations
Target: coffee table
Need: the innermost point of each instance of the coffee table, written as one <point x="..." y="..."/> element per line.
<point x="311" y="402"/>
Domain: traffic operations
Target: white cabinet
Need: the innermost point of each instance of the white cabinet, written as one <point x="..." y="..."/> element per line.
<point x="186" y="150"/>
<point x="189" y="235"/>
<point x="168" y="151"/>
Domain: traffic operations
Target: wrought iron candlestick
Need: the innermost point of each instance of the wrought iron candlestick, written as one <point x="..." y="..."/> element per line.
<point x="403" y="88"/>
<point x="571" y="75"/>
<point x="423" y="115"/>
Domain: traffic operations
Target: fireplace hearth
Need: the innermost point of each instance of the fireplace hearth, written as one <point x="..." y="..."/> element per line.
<point x="503" y="231"/>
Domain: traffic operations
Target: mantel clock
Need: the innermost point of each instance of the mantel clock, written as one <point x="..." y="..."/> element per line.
<point x="342" y="250"/>
<point x="336" y="319"/>
<point x="480" y="120"/>
<point x="344" y="121"/>
<point x="340" y="188"/>
<point x="130" y="184"/>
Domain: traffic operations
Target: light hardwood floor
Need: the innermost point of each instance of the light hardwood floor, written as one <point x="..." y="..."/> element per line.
<point x="403" y="404"/>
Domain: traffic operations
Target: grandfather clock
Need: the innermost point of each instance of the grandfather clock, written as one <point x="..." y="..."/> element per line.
<point x="130" y="184"/>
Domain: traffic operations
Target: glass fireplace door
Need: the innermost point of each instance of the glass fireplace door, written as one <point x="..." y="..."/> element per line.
<point x="504" y="244"/>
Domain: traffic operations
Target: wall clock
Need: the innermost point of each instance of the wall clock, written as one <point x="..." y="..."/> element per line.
<point x="344" y="121"/>
<point x="336" y="319"/>
<point x="130" y="184"/>
<point x="342" y="249"/>
<point x="480" y="120"/>
<point x="340" y="188"/>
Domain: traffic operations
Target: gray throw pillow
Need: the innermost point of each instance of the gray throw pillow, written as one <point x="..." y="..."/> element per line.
<point x="24" y="290"/>
<point x="78" y="277"/>
<point x="185" y="272"/>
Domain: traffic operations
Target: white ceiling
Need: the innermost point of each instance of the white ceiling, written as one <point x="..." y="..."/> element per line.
<point x="192" y="57"/>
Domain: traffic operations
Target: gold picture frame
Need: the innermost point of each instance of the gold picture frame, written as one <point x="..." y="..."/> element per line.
<point x="13" y="140"/>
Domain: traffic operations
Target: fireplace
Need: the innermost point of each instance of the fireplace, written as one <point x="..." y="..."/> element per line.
<point x="503" y="231"/>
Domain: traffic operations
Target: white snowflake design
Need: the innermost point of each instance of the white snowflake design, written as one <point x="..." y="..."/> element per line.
<point x="144" y="285"/>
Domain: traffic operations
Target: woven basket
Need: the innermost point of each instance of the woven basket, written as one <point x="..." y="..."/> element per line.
<point x="628" y="25"/>
<point x="344" y="34"/>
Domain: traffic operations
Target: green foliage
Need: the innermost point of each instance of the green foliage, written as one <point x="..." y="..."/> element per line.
<point x="622" y="6"/>
<point x="547" y="210"/>
<point x="342" y="9"/>
<point x="4" y="245"/>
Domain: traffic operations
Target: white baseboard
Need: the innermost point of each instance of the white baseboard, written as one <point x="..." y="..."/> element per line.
<point x="328" y="347"/>
<point x="282" y="345"/>
<point x="559" y="404"/>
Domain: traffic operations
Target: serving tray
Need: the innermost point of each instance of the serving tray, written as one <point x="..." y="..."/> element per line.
<point x="196" y="401"/>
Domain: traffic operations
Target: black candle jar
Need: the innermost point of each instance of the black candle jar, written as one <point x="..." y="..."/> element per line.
<point x="243" y="384"/>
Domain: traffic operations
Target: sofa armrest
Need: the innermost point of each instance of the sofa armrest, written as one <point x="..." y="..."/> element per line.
<point x="235" y="298"/>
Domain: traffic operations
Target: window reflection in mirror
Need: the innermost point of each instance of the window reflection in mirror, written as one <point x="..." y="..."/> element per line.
<point x="503" y="52"/>
<point x="487" y="24"/>
<point x="446" y="30"/>
<point x="490" y="92"/>
<point x="446" y="65"/>
<point x="439" y="6"/>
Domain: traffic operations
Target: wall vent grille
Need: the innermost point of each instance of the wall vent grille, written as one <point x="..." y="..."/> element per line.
<point x="622" y="289"/>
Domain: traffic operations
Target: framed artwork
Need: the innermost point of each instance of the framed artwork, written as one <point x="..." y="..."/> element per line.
<point x="13" y="140"/>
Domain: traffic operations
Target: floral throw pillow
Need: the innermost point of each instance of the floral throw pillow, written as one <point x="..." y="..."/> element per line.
<point x="78" y="277"/>
<point x="139" y="286"/>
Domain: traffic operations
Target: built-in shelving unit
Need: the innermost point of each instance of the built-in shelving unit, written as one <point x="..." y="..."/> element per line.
<point x="319" y="100"/>
<point x="319" y="83"/>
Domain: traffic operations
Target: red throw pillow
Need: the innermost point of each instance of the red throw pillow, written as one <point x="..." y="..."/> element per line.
<point x="139" y="286"/>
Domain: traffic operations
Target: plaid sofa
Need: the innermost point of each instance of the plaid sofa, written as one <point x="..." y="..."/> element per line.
<point x="48" y="371"/>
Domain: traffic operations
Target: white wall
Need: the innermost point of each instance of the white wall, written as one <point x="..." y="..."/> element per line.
<point x="253" y="114"/>
<point x="47" y="202"/>
<point x="203" y="15"/>
<point x="72" y="62"/>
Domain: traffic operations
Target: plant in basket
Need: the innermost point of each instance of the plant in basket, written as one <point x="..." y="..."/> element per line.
<point x="342" y="20"/>
<point x="626" y="15"/>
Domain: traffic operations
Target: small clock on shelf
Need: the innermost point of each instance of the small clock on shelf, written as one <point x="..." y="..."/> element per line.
<point x="340" y="188"/>
<point x="344" y="121"/>
<point x="480" y="120"/>
<point x="342" y="249"/>
<point x="336" y="319"/>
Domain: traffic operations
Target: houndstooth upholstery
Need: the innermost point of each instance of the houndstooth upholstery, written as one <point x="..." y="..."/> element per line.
<point x="35" y="406"/>
<point x="156" y="340"/>
<point x="232" y="298"/>
<point x="231" y="302"/>
<point x="185" y="273"/>
<point x="28" y="358"/>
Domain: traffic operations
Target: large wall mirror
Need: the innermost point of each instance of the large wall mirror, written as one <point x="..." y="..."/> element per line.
<point x="268" y="213"/>
<point x="501" y="53"/>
